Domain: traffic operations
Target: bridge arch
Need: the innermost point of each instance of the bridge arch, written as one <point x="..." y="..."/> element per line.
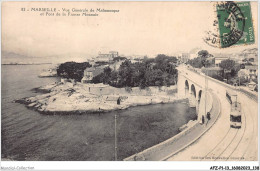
<point x="187" y="87"/>
<point x="199" y="95"/>
<point x="193" y="90"/>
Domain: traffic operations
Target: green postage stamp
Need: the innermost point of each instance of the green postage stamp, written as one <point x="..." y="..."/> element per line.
<point x="234" y="25"/>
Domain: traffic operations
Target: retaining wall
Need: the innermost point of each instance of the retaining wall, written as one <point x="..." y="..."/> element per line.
<point x="108" y="90"/>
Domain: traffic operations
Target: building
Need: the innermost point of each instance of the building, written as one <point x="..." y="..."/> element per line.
<point x="252" y="85"/>
<point x="242" y="73"/>
<point x="91" y="62"/>
<point x="252" y="58"/>
<point x="185" y="57"/>
<point x="90" y="73"/>
<point x="113" y="54"/>
<point x="251" y="55"/>
<point x="106" y="57"/>
<point x="194" y="53"/>
<point x="251" y="71"/>
<point x="219" y="59"/>
<point x="214" y="72"/>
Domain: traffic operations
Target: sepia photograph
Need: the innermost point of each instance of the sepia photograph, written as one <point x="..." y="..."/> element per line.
<point x="129" y="81"/>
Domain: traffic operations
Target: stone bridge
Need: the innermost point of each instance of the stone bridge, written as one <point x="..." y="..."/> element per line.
<point x="195" y="87"/>
<point x="193" y="84"/>
<point x="215" y="139"/>
<point x="221" y="142"/>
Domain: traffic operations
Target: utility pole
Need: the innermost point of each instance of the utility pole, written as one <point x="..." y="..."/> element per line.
<point x="115" y="139"/>
<point x="205" y="91"/>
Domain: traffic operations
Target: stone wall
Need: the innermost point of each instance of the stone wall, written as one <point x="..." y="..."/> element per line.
<point x="108" y="90"/>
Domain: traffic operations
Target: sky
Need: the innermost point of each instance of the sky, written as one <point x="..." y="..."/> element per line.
<point x="140" y="28"/>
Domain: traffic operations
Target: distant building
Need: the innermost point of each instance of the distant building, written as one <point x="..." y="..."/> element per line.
<point x="113" y="54"/>
<point x="220" y="57"/>
<point x="252" y="71"/>
<point x="251" y="55"/>
<point x="135" y="60"/>
<point x="106" y="57"/>
<point x="91" y="62"/>
<point x="213" y="71"/>
<point x="194" y="53"/>
<point x="252" y="58"/>
<point x="252" y="85"/>
<point x="242" y="73"/>
<point x="185" y="57"/>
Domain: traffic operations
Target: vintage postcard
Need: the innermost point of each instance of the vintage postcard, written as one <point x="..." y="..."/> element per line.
<point x="129" y="81"/>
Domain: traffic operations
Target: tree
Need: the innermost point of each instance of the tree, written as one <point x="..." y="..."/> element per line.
<point x="98" y="78"/>
<point x="125" y="74"/>
<point x="159" y="71"/>
<point x="227" y="65"/>
<point x="107" y="75"/>
<point x="203" y="54"/>
<point x="72" y="70"/>
<point x="235" y="70"/>
<point x="202" y="60"/>
<point x="196" y="62"/>
<point x="154" y="77"/>
<point x="114" y="78"/>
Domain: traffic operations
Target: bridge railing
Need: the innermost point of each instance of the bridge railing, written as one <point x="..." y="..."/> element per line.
<point x="251" y="95"/>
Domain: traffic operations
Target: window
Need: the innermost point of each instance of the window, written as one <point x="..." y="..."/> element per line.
<point x="235" y="118"/>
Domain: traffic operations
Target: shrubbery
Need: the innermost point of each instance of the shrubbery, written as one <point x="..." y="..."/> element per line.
<point x="159" y="71"/>
<point x="72" y="70"/>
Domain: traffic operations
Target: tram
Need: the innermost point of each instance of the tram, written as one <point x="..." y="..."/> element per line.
<point x="231" y="97"/>
<point x="235" y="112"/>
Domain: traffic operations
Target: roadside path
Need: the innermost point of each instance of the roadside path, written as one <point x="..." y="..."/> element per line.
<point x="195" y="135"/>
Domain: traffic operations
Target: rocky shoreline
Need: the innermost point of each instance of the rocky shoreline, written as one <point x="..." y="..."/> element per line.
<point x="61" y="98"/>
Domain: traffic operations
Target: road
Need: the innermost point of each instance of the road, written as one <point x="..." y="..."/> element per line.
<point x="224" y="143"/>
